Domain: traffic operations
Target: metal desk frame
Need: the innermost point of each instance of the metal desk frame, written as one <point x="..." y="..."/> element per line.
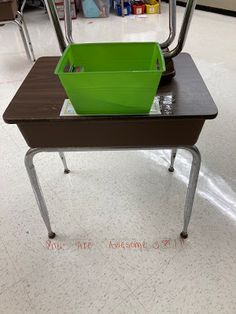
<point x="196" y="163"/>
<point x="191" y="4"/>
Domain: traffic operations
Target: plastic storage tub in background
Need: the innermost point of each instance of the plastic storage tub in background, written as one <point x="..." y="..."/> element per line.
<point x="127" y="9"/>
<point x="111" y="78"/>
<point x="138" y="7"/>
<point x="152" y="8"/>
<point x="96" y="8"/>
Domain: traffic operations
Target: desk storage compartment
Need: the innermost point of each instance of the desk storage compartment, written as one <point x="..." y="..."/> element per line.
<point x="110" y="132"/>
<point x="111" y="78"/>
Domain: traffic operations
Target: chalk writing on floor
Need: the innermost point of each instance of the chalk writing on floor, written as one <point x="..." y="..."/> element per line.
<point x="125" y="245"/>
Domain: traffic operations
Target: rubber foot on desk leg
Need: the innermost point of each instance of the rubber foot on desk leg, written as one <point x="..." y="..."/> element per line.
<point x="184" y="235"/>
<point x="171" y="169"/>
<point x="51" y="235"/>
<point x="66" y="171"/>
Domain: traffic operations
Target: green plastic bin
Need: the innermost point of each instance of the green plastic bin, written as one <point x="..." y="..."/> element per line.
<point x="111" y="78"/>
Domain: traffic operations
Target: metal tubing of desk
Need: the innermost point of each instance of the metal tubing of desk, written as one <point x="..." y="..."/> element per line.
<point x="19" y="21"/>
<point x="193" y="179"/>
<point x="63" y="158"/>
<point x="172" y="24"/>
<point x="24" y="39"/>
<point x="52" y="12"/>
<point x="68" y="22"/>
<point x="38" y="192"/>
<point x="22" y="6"/>
<point x="195" y="167"/>
<point x="191" y="4"/>
<point x="25" y="29"/>
<point x="172" y="160"/>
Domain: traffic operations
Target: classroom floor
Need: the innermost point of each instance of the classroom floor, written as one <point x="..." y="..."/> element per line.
<point x="114" y="197"/>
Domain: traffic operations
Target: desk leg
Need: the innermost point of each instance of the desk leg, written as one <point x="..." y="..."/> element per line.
<point x="173" y="155"/>
<point x="63" y="158"/>
<point x="22" y="33"/>
<point x="25" y="30"/>
<point x="193" y="179"/>
<point x="37" y="190"/>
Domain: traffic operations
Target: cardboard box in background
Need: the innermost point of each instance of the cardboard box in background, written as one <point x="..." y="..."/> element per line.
<point x="60" y="9"/>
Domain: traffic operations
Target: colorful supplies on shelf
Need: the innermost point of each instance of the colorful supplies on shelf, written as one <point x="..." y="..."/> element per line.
<point x="127" y="9"/>
<point x="152" y="7"/>
<point x="138" y="7"/>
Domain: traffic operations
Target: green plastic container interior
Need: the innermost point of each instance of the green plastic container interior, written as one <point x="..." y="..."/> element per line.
<point x="111" y="78"/>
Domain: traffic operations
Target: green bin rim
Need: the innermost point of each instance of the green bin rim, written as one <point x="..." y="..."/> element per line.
<point x="60" y="66"/>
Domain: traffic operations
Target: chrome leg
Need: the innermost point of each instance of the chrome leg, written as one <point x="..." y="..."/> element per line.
<point x="22" y="33"/>
<point x="191" y="4"/>
<point x="25" y="29"/>
<point x="62" y="155"/>
<point x="37" y="190"/>
<point x="22" y="6"/>
<point x="172" y="24"/>
<point x="68" y="22"/>
<point x="173" y="155"/>
<point x="52" y="12"/>
<point x="193" y="179"/>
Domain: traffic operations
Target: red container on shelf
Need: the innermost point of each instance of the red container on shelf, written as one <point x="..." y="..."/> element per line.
<point x="138" y="7"/>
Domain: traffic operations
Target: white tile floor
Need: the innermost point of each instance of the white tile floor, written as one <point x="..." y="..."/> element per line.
<point x="121" y="196"/>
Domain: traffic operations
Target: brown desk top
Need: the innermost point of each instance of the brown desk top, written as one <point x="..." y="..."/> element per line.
<point x="41" y="96"/>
